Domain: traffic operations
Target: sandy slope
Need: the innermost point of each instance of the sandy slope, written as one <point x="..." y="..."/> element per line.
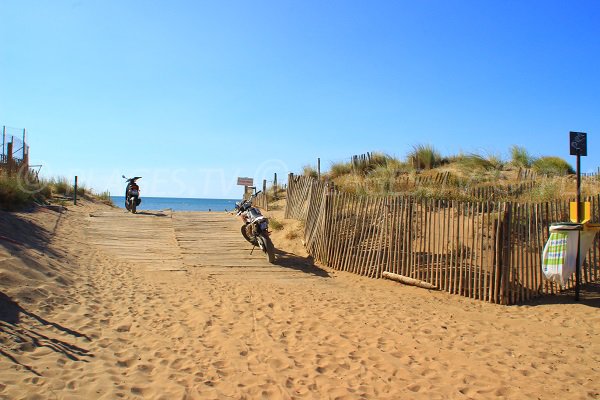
<point x="96" y="303"/>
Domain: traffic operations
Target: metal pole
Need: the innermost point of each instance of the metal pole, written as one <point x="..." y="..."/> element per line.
<point x="3" y="138"/>
<point x="579" y="219"/>
<point x="75" y="192"/>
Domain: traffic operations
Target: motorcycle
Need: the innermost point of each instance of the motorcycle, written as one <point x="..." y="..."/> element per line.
<point x="132" y="194"/>
<point x="256" y="227"/>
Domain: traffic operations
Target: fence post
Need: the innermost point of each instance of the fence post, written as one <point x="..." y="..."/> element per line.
<point x="289" y="193"/>
<point x="3" y="138"/>
<point x="319" y="168"/>
<point x="9" y="157"/>
<point x="505" y="258"/>
<point x="75" y="192"/>
<point x="275" y="187"/>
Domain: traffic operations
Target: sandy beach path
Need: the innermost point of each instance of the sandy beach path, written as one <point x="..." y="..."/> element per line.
<point x="174" y="306"/>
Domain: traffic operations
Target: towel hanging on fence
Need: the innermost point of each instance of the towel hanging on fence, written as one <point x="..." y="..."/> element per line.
<point x="560" y="253"/>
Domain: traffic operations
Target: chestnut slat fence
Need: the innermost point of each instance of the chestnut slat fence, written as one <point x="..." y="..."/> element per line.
<point x="490" y="251"/>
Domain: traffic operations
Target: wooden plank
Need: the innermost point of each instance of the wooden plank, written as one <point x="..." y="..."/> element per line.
<point x="475" y="255"/>
<point x="428" y="254"/>
<point x="357" y="269"/>
<point x="371" y="238"/>
<point x="404" y="238"/>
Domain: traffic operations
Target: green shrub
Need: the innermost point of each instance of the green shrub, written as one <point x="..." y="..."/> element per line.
<point x="552" y="166"/>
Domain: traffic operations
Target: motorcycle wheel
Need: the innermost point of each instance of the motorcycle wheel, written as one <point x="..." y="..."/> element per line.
<point x="245" y="235"/>
<point x="133" y="206"/>
<point x="268" y="247"/>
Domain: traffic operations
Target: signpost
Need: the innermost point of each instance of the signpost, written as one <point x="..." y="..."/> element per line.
<point x="248" y="184"/>
<point x="245" y="181"/>
<point x="578" y="147"/>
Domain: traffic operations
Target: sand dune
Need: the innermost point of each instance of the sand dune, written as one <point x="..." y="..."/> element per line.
<point x="100" y="304"/>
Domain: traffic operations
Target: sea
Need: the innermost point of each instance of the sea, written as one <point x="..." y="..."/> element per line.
<point x="179" y="204"/>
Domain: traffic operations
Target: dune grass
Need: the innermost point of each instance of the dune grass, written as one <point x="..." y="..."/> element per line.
<point x="424" y="157"/>
<point x="426" y="173"/>
<point x="18" y="191"/>
<point x="309" y="170"/>
<point x="552" y="166"/>
<point x="520" y="157"/>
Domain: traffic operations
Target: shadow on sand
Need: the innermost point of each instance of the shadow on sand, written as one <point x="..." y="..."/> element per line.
<point x="153" y="213"/>
<point x="589" y="295"/>
<point x="303" y="264"/>
<point x="17" y="232"/>
<point x="26" y="337"/>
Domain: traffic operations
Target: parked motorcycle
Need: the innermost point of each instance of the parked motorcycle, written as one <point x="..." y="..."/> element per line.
<point x="132" y="194"/>
<point x="256" y="227"/>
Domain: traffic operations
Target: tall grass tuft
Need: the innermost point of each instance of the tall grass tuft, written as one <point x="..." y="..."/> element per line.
<point x="520" y="157"/>
<point x="60" y="186"/>
<point x="424" y="157"/>
<point x="105" y="198"/>
<point x="310" y="171"/>
<point x="340" y="169"/>
<point x="476" y="161"/>
<point x="18" y="191"/>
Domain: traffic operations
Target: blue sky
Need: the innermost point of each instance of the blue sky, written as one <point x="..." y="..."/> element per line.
<point x="192" y="94"/>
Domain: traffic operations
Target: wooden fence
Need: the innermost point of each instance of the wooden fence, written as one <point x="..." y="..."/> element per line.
<point x="14" y="156"/>
<point x="486" y="250"/>
<point x="262" y="201"/>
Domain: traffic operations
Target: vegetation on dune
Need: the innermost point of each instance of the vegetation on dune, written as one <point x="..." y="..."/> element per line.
<point x="275" y="224"/>
<point x="426" y="173"/>
<point x="478" y="162"/>
<point x="310" y="171"/>
<point x="424" y="157"/>
<point x="520" y="157"/>
<point x="552" y="166"/>
<point x="20" y="191"/>
<point x="340" y="169"/>
<point x="16" y="192"/>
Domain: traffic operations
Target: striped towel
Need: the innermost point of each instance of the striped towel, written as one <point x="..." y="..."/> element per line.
<point x="556" y="252"/>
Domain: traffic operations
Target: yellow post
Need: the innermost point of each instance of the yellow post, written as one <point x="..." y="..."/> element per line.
<point x="574" y="217"/>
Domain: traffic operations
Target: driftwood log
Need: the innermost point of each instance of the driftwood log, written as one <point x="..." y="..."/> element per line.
<point x="408" y="281"/>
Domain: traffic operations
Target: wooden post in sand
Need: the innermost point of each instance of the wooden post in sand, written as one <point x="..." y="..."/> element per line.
<point x="319" y="168"/>
<point x="9" y="157"/>
<point x="75" y="192"/>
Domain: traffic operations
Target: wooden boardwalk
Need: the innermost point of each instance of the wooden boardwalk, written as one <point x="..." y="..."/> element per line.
<point x="180" y="241"/>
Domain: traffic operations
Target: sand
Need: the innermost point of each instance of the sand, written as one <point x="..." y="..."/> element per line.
<point x="100" y="304"/>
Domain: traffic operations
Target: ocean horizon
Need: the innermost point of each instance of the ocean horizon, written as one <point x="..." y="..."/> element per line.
<point x="179" y="203"/>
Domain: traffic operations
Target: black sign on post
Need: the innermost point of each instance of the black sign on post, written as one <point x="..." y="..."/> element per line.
<point x="578" y="141"/>
<point x="578" y="147"/>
